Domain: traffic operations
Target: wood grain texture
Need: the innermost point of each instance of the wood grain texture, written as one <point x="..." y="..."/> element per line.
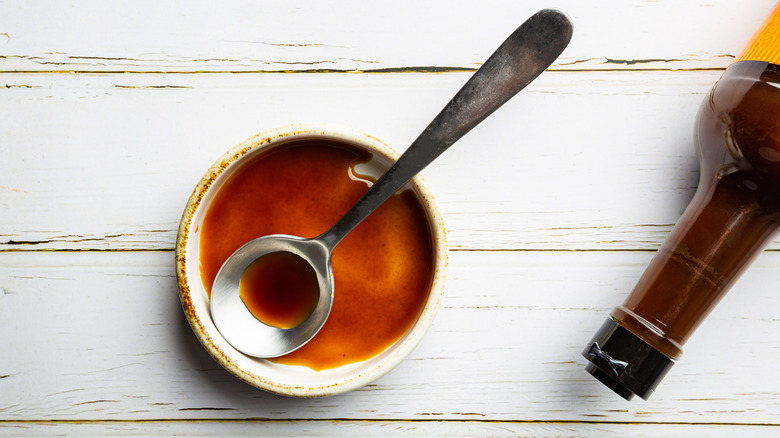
<point x="151" y="36"/>
<point x="586" y="161"/>
<point x="101" y="336"/>
<point x="110" y="112"/>
<point x="346" y="428"/>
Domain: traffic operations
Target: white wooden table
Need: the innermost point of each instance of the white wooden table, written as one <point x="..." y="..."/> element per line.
<point x="110" y="112"/>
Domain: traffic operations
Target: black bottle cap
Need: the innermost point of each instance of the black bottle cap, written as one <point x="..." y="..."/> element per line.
<point x="624" y="362"/>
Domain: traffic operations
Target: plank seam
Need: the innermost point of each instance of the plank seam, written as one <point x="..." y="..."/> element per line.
<point x="377" y="420"/>
<point x="389" y="70"/>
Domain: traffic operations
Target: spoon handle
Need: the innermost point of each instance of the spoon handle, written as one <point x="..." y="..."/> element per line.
<point x="518" y="61"/>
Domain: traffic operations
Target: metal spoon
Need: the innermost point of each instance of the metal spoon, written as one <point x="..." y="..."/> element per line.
<point x="517" y="62"/>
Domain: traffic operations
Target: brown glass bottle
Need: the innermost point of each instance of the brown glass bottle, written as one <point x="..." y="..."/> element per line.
<point x="734" y="213"/>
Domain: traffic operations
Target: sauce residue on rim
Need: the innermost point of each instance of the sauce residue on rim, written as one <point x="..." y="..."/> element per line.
<point x="382" y="270"/>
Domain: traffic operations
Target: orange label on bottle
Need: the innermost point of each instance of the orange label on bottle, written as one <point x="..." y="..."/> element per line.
<point x="765" y="44"/>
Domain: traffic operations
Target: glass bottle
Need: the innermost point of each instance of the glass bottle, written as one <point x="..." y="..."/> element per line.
<point x="733" y="215"/>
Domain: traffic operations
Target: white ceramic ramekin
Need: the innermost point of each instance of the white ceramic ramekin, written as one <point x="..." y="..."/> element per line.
<point x="296" y="381"/>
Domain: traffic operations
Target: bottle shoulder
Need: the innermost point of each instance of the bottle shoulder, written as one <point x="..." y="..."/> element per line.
<point x="739" y="123"/>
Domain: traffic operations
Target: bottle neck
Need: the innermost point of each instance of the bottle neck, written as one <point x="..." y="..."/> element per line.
<point x="734" y="213"/>
<point x="714" y="241"/>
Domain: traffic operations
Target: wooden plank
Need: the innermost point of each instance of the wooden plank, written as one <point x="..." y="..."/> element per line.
<point x="239" y="35"/>
<point x="101" y="336"/>
<point x="343" y="428"/>
<point x="577" y="161"/>
<point x="588" y="159"/>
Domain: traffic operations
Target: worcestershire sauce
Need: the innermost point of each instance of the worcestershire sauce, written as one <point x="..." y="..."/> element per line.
<point x="280" y="289"/>
<point x="382" y="270"/>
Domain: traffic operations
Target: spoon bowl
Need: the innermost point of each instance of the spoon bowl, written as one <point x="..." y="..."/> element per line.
<point x="242" y="329"/>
